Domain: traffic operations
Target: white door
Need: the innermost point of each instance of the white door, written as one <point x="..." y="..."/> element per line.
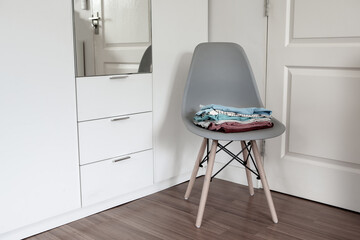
<point x="313" y="87"/>
<point x="123" y="36"/>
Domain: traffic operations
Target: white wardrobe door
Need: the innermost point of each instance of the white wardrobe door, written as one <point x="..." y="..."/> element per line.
<point x="39" y="173"/>
<point x="178" y="27"/>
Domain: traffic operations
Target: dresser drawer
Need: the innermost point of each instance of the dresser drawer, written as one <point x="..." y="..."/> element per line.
<point x="112" y="137"/>
<point x="107" y="179"/>
<point x="108" y="96"/>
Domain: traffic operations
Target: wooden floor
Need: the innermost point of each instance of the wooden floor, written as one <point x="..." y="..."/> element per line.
<point x="230" y="213"/>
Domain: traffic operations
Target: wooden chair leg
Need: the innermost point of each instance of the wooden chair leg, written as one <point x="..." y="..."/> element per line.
<point x="248" y="173"/>
<point x="264" y="181"/>
<point x="196" y="168"/>
<point x="206" y="185"/>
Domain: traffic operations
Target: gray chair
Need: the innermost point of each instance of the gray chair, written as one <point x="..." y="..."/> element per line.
<point x="220" y="73"/>
<point x="146" y="61"/>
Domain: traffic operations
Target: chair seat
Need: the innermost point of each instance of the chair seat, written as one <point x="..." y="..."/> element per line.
<point x="266" y="133"/>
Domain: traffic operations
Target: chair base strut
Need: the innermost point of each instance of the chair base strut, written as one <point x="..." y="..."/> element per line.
<point x="244" y="162"/>
<point x="246" y="149"/>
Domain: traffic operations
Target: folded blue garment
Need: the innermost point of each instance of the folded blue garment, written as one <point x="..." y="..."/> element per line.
<point x="219" y="117"/>
<point x="248" y="111"/>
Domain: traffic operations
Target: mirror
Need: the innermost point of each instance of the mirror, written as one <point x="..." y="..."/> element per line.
<point x="112" y="37"/>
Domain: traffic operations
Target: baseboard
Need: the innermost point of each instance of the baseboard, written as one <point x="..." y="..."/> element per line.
<point x="57" y="221"/>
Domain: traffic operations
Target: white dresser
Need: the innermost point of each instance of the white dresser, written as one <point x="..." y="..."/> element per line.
<point x="115" y="135"/>
<point x="66" y="156"/>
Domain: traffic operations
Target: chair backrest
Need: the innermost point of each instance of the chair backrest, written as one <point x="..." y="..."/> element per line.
<point x="220" y="73"/>
<point x="146" y="61"/>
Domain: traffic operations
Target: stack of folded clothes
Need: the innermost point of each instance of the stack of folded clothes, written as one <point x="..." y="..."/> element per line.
<point x="231" y="119"/>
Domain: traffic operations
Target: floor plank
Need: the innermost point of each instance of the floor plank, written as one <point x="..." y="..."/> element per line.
<point x="230" y="213"/>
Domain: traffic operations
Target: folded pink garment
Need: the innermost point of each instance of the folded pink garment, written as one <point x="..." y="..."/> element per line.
<point x="231" y="127"/>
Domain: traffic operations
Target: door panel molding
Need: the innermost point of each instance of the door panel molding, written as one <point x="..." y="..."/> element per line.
<point x="305" y="27"/>
<point x="312" y="86"/>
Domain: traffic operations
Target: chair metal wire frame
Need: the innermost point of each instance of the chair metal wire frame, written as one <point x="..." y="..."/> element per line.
<point x="210" y="157"/>
<point x="248" y="147"/>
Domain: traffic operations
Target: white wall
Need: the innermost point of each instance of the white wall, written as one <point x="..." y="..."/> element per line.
<point x="178" y="27"/>
<point x="242" y="22"/>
